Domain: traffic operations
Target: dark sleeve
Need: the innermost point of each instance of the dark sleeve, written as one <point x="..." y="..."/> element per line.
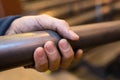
<point x="5" y="23"/>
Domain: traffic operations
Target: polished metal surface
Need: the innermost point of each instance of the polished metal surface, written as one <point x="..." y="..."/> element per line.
<point x="17" y="50"/>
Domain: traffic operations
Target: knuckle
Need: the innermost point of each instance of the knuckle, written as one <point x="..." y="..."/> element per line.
<point x="54" y="63"/>
<point x="43" y="63"/>
<point x="56" y="59"/>
<point x="69" y="56"/>
<point x="63" y="22"/>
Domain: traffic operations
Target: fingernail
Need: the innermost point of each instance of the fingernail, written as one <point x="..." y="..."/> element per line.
<point x="38" y="52"/>
<point x="49" y="47"/>
<point x="80" y="51"/>
<point x="74" y="35"/>
<point x="64" y="44"/>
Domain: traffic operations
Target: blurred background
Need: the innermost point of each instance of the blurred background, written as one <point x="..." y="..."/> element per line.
<point x="98" y="63"/>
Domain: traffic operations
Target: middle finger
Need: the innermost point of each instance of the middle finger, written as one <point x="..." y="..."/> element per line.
<point x="53" y="55"/>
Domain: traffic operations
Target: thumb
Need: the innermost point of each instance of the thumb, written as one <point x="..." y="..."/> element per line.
<point x="61" y="26"/>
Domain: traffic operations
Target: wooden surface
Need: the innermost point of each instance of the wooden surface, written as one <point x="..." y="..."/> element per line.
<point x="31" y="74"/>
<point x="23" y="74"/>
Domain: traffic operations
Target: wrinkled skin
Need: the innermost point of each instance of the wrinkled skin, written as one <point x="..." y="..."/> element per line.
<point x="48" y="57"/>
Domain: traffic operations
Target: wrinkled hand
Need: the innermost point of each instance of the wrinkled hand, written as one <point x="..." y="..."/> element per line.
<point x="48" y="57"/>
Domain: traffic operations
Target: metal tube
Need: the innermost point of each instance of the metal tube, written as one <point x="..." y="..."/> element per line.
<point x="17" y="50"/>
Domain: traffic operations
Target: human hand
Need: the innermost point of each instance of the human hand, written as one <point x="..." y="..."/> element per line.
<point x="48" y="57"/>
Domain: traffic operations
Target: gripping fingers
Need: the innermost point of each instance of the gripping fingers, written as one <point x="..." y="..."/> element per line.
<point x="78" y="55"/>
<point x="53" y="55"/>
<point x="67" y="53"/>
<point x="40" y="58"/>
